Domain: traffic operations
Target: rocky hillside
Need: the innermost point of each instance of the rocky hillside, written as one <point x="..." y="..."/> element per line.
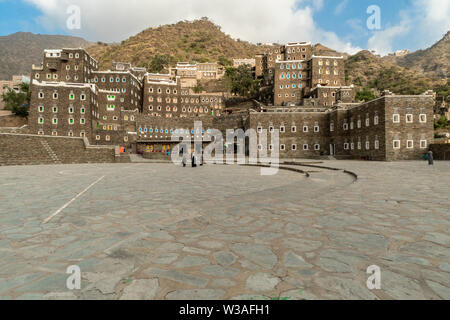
<point x="200" y="41"/>
<point x="366" y="70"/>
<point x="20" y="50"/>
<point x="434" y="61"/>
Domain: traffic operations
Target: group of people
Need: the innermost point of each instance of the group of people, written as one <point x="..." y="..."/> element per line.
<point x="195" y="160"/>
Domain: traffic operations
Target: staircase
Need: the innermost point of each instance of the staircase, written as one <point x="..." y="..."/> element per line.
<point x="50" y="152"/>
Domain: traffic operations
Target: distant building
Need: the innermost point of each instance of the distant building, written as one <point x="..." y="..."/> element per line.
<point x="242" y="62"/>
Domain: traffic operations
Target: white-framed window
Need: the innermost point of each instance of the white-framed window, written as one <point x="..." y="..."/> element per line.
<point x="396" y="144"/>
<point x="305" y="129"/>
<point x="270" y="147"/>
<point x="110" y="107"/>
<point x="71" y="121"/>
<point x="367" y="122"/>
<point x="282" y="147"/>
<point x="40" y="132"/>
<point x="317" y="147"/>
<point x="423" y="118"/>
<point x="409" y="118"/>
<point x="55" y="120"/>
<point x="71" y="110"/>
<point x="410" y="144"/>
<point x="294" y="129"/>
<point x="358" y="124"/>
<point x="55" y="95"/>
<point x="396" y="118"/>
<point x="41" y="95"/>
<point x="41" y="109"/>
<point x="332" y="126"/>
<point x="82" y="121"/>
<point x="346" y="146"/>
<point x="54" y="133"/>
<point x="260" y="147"/>
<point x="377" y="145"/>
<point x="367" y="145"/>
<point x="82" y="110"/>
<point x="282" y="129"/>
<point x="71" y="96"/>
<point x="423" y="144"/>
<point x="271" y="129"/>
<point x="41" y="120"/>
<point x="55" y="109"/>
<point x="316" y="128"/>
<point x="359" y="145"/>
<point x="97" y="137"/>
<point x="376" y="120"/>
<point x="108" y="138"/>
<point x="259" y="127"/>
<point x="352" y="146"/>
<point x="345" y="126"/>
<point x="305" y="147"/>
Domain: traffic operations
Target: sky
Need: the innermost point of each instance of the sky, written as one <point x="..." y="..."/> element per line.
<point x="349" y="26"/>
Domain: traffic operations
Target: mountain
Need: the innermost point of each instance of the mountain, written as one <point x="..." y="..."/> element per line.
<point x="366" y="70"/>
<point x="199" y="40"/>
<point x="19" y="51"/>
<point x="434" y="61"/>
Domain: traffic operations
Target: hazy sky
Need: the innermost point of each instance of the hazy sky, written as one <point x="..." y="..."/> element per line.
<point x="340" y="24"/>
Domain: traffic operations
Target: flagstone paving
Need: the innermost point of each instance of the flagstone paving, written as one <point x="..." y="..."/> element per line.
<point x="160" y="231"/>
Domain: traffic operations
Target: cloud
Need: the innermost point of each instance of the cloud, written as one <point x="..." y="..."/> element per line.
<point x="251" y="20"/>
<point x="340" y="7"/>
<point x="422" y="24"/>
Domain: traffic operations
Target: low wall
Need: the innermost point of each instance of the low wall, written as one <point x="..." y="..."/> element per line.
<point x="22" y="149"/>
<point x="441" y="151"/>
<point x="156" y="156"/>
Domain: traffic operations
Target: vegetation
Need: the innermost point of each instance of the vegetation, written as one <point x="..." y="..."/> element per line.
<point x="240" y="82"/>
<point x="18" y="102"/>
<point x="365" y="95"/>
<point x="442" y="123"/>
<point x="198" y="87"/>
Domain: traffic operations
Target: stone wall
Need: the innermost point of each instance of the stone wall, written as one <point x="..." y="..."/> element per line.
<point x="441" y="151"/>
<point x="17" y="149"/>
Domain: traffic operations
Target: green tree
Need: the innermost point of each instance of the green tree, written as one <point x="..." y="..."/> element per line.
<point x="365" y="95"/>
<point x="223" y="61"/>
<point x="240" y="81"/>
<point x="18" y="102"/>
<point x="158" y="63"/>
<point x="198" y="87"/>
<point x="441" y="123"/>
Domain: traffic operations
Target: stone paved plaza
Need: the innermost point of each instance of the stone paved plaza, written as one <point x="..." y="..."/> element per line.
<point x="160" y="231"/>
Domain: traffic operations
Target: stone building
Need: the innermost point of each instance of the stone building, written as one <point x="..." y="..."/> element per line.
<point x="244" y="62"/>
<point x="13" y="84"/>
<point x="318" y="117"/>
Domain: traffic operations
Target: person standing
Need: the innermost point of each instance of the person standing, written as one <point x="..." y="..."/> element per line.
<point x="430" y="158"/>
<point x="194" y="162"/>
<point x="184" y="161"/>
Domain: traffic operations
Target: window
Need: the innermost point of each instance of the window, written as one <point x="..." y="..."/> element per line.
<point x="305" y="129"/>
<point x="423" y="144"/>
<point x="376" y="120"/>
<point x="396" y="118"/>
<point x="82" y="121"/>
<point x="352" y="146"/>
<point x="317" y="147"/>
<point x="110" y="107"/>
<point x="294" y="147"/>
<point x="396" y="144"/>
<point x="367" y="122"/>
<point x="346" y="146"/>
<point x="282" y="147"/>
<point x="97" y="138"/>
<point x="41" y="108"/>
<point x="410" y="144"/>
<point x="271" y="129"/>
<point x="259" y="129"/>
<point x="332" y="126"/>
<point x="71" y="121"/>
<point x="305" y="147"/>
<point x="345" y="126"/>
<point x="41" y="120"/>
<point x="423" y="118"/>
<point x="55" y="121"/>
<point x="367" y="145"/>
<point x="41" y="95"/>
<point x="72" y="96"/>
<point x="55" y="95"/>
<point x="282" y="129"/>
<point x="82" y="110"/>
<point x="54" y="133"/>
<point x="294" y="129"/>
<point x="409" y="118"/>
<point x="316" y="128"/>
<point x="377" y="145"/>
<point x="55" y="109"/>
<point x="358" y="124"/>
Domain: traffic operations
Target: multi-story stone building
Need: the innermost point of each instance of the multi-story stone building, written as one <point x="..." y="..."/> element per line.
<point x="190" y="73"/>
<point x="317" y="117"/>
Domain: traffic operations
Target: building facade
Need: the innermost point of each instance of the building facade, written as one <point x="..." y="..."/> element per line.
<point x="315" y="114"/>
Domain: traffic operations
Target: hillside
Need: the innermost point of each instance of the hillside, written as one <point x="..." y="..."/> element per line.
<point x="434" y="61"/>
<point x="366" y="70"/>
<point x="200" y="41"/>
<point x="20" y="50"/>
